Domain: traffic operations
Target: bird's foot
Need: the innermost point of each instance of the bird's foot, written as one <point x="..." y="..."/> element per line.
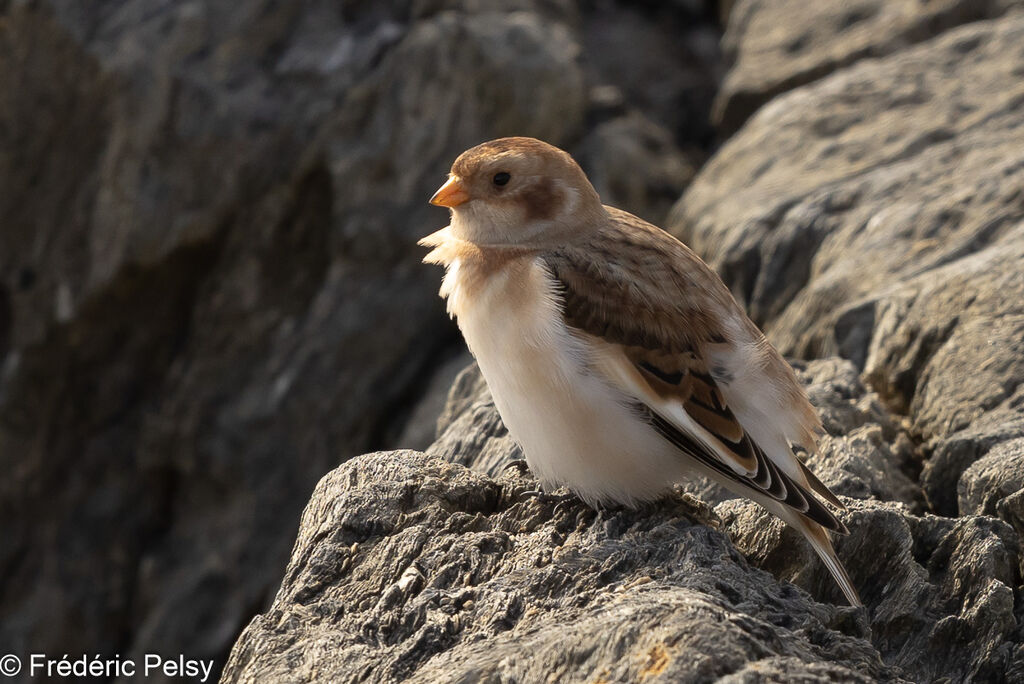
<point x="520" y="464"/>
<point x="548" y="498"/>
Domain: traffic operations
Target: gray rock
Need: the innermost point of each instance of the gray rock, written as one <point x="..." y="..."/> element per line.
<point x="470" y="431"/>
<point x="411" y="568"/>
<point x="866" y="452"/>
<point x="991" y="485"/>
<point x="929" y="582"/>
<point x="458" y="573"/>
<point x="817" y="187"/>
<point x="786" y="670"/>
<point x="876" y="214"/>
<point x="967" y="354"/>
<point x="658" y="58"/>
<point x="420" y="429"/>
<point x="952" y="456"/>
<point x="773" y="46"/>
<point x="635" y="165"/>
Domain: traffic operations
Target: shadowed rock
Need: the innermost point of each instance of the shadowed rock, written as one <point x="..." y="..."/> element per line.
<point x="210" y="290"/>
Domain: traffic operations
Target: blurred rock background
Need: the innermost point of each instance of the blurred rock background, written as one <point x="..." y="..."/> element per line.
<point x="210" y="293"/>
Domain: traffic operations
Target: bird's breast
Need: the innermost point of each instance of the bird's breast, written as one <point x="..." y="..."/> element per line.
<point x="574" y="427"/>
<point x="508" y="312"/>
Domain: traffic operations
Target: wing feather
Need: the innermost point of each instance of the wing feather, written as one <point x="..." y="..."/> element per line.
<point x="655" y="343"/>
<point x="730" y="453"/>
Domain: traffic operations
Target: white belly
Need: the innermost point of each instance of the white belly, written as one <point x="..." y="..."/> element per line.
<point x="574" y="428"/>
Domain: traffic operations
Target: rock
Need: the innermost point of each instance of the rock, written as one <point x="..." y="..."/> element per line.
<point x="635" y="165"/>
<point x="865" y="452"/>
<point x="783" y="670"/>
<point x="968" y="325"/>
<point x="470" y="431"/>
<point x="952" y="456"/>
<point x="876" y="214"/>
<point x="411" y="568"/>
<point x="928" y="581"/>
<point x="773" y="46"/>
<point x="821" y="163"/>
<point x="420" y="429"/>
<point x="991" y="485"/>
<point x="408" y="567"/>
<point x="657" y="58"/>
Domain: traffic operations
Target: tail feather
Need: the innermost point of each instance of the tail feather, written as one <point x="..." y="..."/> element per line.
<point x="814" y="533"/>
<point x="822" y="545"/>
<point x="820" y="487"/>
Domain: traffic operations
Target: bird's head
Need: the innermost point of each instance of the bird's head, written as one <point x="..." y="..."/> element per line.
<point x="515" y="191"/>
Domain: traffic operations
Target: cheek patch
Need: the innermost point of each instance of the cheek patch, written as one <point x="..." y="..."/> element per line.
<point x="541" y="201"/>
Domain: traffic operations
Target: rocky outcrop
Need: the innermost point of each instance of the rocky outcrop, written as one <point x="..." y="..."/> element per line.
<point x="409" y="567"/>
<point x="994" y="485"/>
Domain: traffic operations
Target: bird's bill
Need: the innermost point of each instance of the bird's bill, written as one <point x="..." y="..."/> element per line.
<point x="451" y="194"/>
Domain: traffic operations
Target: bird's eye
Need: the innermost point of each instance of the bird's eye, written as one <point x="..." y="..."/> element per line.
<point x="501" y="178"/>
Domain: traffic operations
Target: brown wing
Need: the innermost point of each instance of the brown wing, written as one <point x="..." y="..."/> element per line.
<point x="602" y="296"/>
<point x="735" y="456"/>
<point x="663" y="332"/>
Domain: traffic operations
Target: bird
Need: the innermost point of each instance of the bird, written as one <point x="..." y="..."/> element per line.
<point x="617" y="359"/>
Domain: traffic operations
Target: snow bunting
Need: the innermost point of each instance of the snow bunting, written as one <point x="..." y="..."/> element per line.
<point x="618" y="360"/>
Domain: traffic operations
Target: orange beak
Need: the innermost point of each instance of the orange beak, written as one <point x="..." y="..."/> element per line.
<point x="451" y="194"/>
